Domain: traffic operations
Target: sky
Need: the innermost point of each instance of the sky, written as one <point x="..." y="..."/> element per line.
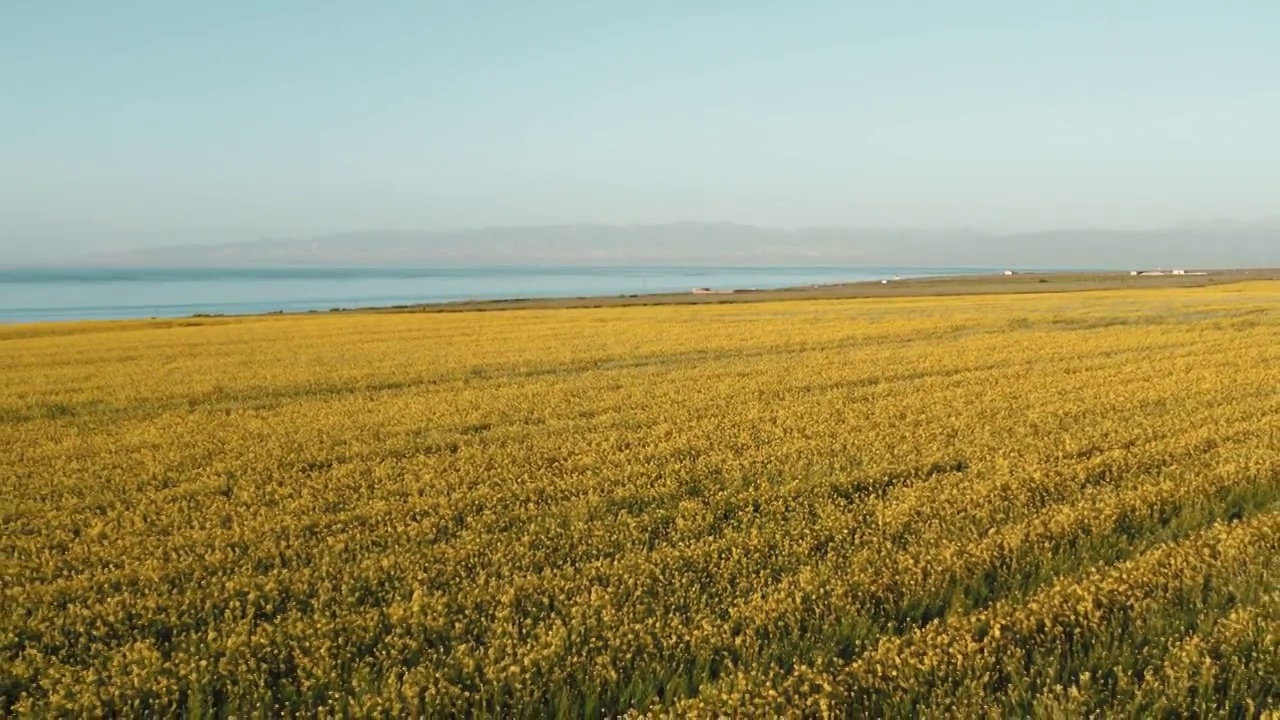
<point x="142" y="124"/>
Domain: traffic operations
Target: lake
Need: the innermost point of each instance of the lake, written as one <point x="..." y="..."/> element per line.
<point x="32" y="295"/>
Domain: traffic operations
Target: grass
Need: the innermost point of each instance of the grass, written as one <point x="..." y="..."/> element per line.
<point x="1044" y="504"/>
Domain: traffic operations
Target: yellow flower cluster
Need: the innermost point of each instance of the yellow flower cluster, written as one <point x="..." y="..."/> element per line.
<point x="1048" y="506"/>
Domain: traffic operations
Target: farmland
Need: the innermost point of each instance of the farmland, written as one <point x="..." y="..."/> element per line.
<point x="1048" y="505"/>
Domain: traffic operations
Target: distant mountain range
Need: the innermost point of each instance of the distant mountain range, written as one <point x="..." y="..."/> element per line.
<point x="1193" y="245"/>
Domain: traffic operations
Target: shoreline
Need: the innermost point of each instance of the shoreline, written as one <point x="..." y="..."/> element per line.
<point x="1021" y="282"/>
<point x="931" y="286"/>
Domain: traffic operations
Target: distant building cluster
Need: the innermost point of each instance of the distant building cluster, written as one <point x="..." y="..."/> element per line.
<point x="1149" y="273"/>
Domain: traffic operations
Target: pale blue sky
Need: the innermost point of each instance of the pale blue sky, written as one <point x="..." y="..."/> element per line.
<point x="131" y="124"/>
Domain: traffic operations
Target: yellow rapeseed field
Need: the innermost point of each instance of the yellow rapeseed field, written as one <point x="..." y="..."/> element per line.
<point x="1048" y="506"/>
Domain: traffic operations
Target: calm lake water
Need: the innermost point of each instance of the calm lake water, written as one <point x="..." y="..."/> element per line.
<point x="59" y="294"/>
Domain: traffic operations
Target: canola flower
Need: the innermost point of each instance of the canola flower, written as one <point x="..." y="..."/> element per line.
<point x="1049" y="506"/>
